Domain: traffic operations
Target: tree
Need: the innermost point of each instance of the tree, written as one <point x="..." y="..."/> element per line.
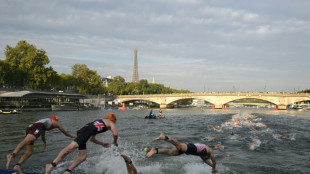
<point x="67" y="83"/>
<point x="117" y="86"/>
<point x="120" y="87"/>
<point x="304" y="91"/>
<point x="27" y="66"/>
<point x="88" y="81"/>
<point x="131" y="88"/>
<point x="4" y="73"/>
<point x="143" y="86"/>
<point x="180" y="91"/>
<point x="53" y="78"/>
<point x="155" y="88"/>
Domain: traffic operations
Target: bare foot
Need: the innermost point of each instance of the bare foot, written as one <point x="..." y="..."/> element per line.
<point x="151" y="152"/>
<point x="8" y="158"/>
<point x="126" y="158"/>
<point x="17" y="169"/>
<point x="161" y="137"/>
<point x="48" y="168"/>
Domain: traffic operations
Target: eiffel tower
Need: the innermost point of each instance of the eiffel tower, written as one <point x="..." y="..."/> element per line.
<point x="135" y="76"/>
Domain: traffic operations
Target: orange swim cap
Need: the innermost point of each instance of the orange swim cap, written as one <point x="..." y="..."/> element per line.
<point x="54" y="117"/>
<point x="112" y="117"/>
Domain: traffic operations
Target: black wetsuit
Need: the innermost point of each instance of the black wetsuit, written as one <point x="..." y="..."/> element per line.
<point x="90" y="129"/>
<point x="195" y="149"/>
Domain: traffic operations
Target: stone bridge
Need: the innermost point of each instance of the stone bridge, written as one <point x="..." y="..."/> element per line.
<point x="281" y="100"/>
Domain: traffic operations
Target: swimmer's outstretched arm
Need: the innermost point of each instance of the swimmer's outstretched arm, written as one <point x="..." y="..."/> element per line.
<point x="62" y="129"/>
<point x="214" y="129"/>
<point x="213" y="138"/>
<point x="94" y="140"/>
<point x="213" y="164"/>
<point x="115" y="134"/>
<point x="256" y="131"/>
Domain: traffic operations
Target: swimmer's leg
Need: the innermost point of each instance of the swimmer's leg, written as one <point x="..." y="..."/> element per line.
<point x="170" y="152"/>
<point x="82" y="157"/>
<point x="131" y="169"/>
<point x="180" y="146"/>
<point x="29" y="139"/>
<point x="29" y="151"/>
<point x="17" y="169"/>
<point x="161" y="137"/>
<point x="70" y="148"/>
<point x="8" y="159"/>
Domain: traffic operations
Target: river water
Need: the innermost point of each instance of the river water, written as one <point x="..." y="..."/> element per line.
<point x="271" y="154"/>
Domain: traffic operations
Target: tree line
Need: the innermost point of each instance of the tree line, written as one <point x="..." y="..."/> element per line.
<point x="304" y="91"/>
<point x="25" y="67"/>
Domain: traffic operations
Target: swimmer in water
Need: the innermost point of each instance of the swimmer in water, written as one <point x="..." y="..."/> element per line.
<point x="160" y="113"/>
<point x="130" y="167"/>
<point x="214" y="138"/>
<point x="281" y="136"/>
<point x="231" y="135"/>
<point x="33" y="132"/>
<point x="214" y="129"/>
<point x="256" y="131"/>
<point x="219" y="146"/>
<point x="254" y="145"/>
<point x="201" y="150"/>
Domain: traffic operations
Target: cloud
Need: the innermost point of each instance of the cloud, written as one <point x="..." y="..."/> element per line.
<point x="184" y="44"/>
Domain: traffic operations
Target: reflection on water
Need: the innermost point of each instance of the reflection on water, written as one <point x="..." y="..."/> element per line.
<point x="254" y="147"/>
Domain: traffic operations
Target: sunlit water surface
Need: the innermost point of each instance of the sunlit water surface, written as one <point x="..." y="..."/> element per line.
<point x="291" y="154"/>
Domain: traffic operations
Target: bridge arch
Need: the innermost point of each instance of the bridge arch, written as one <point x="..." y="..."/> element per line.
<point x="129" y="100"/>
<point x="177" y="100"/>
<point x="244" y="98"/>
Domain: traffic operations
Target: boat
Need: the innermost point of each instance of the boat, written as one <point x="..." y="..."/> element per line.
<point x="8" y="111"/>
<point x="16" y="111"/>
<point x="154" y="117"/>
<point x="65" y="107"/>
<point x="150" y="117"/>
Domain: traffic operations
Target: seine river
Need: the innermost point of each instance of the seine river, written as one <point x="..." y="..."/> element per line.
<point x="270" y="154"/>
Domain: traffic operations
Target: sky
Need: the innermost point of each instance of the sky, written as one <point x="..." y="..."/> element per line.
<point x="196" y="45"/>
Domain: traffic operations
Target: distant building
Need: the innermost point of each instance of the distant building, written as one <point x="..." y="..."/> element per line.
<point x="28" y="100"/>
<point x="106" y="81"/>
<point x="153" y="79"/>
<point x="135" y="76"/>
